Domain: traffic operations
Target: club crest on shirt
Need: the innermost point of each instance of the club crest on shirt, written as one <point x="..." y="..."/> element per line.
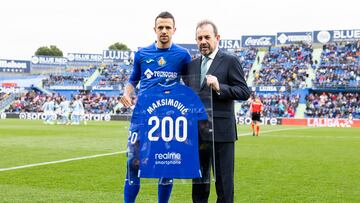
<point x="161" y="61"/>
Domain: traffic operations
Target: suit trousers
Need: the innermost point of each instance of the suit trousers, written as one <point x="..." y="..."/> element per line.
<point x="223" y="172"/>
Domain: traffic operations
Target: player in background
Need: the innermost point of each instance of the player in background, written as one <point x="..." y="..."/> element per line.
<point x="162" y="62"/>
<point x="256" y="108"/>
<point x="78" y="111"/>
<point x="48" y="108"/>
<point x="64" y="111"/>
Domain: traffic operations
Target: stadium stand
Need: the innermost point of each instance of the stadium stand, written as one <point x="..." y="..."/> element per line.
<point x="333" y="105"/>
<point x="339" y="66"/>
<point x="275" y="105"/>
<point x="285" y="66"/>
<point x="299" y="80"/>
<point x="247" y="58"/>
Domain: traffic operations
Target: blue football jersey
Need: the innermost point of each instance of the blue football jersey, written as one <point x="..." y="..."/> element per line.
<point x="165" y="123"/>
<point x="153" y="65"/>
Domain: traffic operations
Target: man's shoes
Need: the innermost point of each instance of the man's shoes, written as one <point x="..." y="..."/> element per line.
<point x="253" y="134"/>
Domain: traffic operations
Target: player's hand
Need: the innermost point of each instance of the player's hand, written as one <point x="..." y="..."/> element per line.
<point x="213" y="82"/>
<point x="126" y="101"/>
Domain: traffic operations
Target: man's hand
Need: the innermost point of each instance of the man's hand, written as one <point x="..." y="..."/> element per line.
<point x="213" y="82"/>
<point x="126" y="101"/>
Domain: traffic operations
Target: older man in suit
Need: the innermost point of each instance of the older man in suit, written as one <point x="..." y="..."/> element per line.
<point x="218" y="78"/>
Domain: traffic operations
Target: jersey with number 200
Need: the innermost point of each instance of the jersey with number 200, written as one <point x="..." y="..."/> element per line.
<point x="165" y="122"/>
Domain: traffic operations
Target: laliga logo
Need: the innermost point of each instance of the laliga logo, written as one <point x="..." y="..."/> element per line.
<point x="262" y="41"/>
<point x="148" y="73"/>
<point x="323" y="37"/>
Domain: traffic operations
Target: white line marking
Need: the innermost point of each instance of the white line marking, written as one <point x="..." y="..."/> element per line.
<point x="276" y="130"/>
<point x="120" y="152"/>
<point x="60" y="161"/>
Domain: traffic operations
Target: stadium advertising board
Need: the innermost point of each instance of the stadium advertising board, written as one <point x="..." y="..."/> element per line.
<point x="230" y="44"/>
<point x="263" y="121"/>
<point x="48" y="61"/>
<point x="325" y="36"/>
<point x="14" y="66"/>
<point x="78" y="57"/>
<point x="257" y="40"/>
<point x="10" y="90"/>
<point x="81" y="59"/>
<point x="87" y="117"/>
<point x="293" y="37"/>
<point x="271" y="89"/>
<point x="66" y="87"/>
<point x="117" y="55"/>
<point x="322" y="122"/>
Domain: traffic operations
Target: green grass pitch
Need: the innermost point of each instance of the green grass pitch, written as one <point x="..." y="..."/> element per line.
<point x="283" y="164"/>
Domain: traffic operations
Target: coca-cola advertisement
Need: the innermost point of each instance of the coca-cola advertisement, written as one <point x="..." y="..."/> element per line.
<point x="258" y="40"/>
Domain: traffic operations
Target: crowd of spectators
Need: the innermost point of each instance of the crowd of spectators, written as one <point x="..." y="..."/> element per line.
<point x="72" y="77"/>
<point x="333" y="105"/>
<point x="285" y="66"/>
<point x="3" y="95"/>
<point x="30" y="101"/>
<point x="113" y="75"/>
<point x="275" y="105"/>
<point x="247" y="58"/>
<point x="339" y="65"/>
<point x="98" y="103"/>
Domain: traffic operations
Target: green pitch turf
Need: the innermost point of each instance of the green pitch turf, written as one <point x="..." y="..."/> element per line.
<point x="283" y="164"/>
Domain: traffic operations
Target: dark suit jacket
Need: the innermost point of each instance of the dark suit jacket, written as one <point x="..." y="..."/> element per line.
<point x="227" y="68"/>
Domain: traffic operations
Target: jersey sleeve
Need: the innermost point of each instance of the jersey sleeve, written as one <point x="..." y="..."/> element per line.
<point x="187" y="59"/>
<point x="136" y="72"/>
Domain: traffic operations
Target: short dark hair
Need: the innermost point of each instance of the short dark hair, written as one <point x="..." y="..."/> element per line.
<point x="165" y="14"/>
<point x="208" y="22"/>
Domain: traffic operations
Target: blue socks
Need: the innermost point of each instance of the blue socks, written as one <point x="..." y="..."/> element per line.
<point x="164" y="192"/>
<point x="130" y="192"/>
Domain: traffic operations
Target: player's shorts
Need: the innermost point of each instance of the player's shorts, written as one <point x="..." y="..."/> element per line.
<point x="255" y="116"/>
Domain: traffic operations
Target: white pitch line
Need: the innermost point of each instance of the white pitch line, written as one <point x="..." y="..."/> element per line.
<point x="60" y="161"/>
<point x="121" y="152"/>
<point x="276" y="130"/>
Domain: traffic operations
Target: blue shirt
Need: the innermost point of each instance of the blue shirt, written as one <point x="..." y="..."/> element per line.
<point x="153" y="65"/>
<point x="166" y="121"/>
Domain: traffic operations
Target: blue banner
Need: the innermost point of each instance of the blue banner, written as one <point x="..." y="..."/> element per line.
<point x="14" y="66"/>
<point x="48" y="61"/>
<point x="269" y="88"/>
<point x="117" y="55"/>
<point x="325" y="36"/>
<point x="258" y="40"/>
<point x="293" y="37"/>
<point x="230" y="44"/>
<point x="79" y="57"/>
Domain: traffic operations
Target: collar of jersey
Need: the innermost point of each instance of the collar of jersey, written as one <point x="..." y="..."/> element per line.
<point x="163" y="48"/>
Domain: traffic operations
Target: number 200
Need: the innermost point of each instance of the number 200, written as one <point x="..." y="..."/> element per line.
<point x="168" y="122"/>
